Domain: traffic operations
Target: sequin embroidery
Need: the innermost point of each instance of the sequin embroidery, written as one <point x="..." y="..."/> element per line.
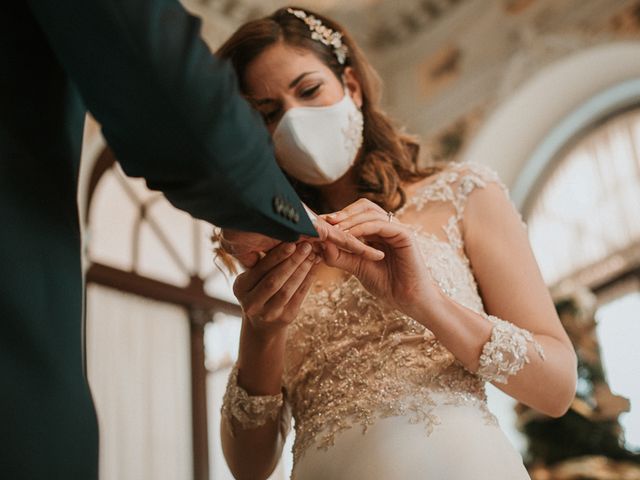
<point x="350" y="359"/>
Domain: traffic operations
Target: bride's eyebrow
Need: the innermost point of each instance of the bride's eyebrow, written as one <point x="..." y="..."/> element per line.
<point x="295" y="81"/>
<point x="299" y="78"/>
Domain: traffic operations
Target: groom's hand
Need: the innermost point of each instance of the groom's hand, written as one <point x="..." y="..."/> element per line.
<point x="248" y="247"/>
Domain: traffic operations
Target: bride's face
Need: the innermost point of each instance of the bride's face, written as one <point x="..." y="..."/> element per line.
<point x="283" y="77"/>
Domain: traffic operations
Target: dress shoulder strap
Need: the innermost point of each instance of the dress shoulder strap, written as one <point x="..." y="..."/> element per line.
<point x="470" y="176"/>
<point x="453" y="185"/>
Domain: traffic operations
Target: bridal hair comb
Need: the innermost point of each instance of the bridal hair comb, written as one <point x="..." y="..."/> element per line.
<point x="323" y="34"/>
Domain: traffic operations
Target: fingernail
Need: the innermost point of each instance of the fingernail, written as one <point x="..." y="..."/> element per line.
<point x="290" y="248"/>
<point x="317" y="260"/>
<point x="311" y="257"/>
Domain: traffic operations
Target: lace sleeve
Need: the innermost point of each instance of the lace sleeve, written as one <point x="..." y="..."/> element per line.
<point x="252" y="411"/>
<point x="505" y="354"/>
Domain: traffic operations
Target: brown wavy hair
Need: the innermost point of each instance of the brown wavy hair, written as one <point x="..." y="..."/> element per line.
<point x="388" y="157"/>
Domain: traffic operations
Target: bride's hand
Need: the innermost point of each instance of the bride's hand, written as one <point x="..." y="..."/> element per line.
<point x="401" y="278"/>
<point x="329" y="234"/>
<point x="272" y="291"/>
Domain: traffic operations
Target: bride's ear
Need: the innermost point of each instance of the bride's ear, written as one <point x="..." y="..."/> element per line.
<point x="353" y="85"/>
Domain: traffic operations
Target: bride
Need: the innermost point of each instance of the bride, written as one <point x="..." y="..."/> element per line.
<point x="382" y="363"/>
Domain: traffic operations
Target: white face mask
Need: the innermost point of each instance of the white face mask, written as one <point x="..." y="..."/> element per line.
<point x="318" y="145"/>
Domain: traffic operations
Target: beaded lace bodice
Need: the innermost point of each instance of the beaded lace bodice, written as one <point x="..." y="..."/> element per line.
<point x="351" y="359"/>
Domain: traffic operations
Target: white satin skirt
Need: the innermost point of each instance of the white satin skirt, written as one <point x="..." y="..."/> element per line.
<point x="463" y="446"/>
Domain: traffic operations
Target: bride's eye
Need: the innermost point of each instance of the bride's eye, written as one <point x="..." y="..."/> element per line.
<point x="310" y="92"/>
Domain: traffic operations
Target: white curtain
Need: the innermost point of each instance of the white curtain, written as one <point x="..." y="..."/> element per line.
<point x="138" y="363"/>
<point x="221" y="346"/>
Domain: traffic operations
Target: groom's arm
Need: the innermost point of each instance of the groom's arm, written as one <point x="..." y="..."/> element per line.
<point x="171" y="111"/>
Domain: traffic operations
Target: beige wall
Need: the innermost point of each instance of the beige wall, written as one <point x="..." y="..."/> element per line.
<point x="447" y="81"/>
<point x="450" y="67"/>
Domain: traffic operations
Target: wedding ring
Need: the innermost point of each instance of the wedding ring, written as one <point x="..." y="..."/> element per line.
<point x="390" y="216"/>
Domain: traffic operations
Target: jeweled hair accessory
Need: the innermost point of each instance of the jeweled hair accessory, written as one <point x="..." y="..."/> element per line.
<point x="323" y="34"/>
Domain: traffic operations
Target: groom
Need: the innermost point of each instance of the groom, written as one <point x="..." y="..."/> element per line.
<point x="172" y="114"/>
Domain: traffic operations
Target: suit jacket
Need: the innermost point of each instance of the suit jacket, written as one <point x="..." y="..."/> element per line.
<point x="172" y="114"/>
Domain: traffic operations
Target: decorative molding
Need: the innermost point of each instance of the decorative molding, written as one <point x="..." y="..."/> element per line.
<point x="449" y="143"/>
<point x="515" y="7"/>
<point x="440" y="70"/>
<point x="394" y="23"/>
<point x="627" y="22"/>
<point x="534" y="49"/>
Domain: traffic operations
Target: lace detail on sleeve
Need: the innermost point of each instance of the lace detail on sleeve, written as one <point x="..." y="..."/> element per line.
<point x="251" y="411"/>
<point x="505" y="354"/>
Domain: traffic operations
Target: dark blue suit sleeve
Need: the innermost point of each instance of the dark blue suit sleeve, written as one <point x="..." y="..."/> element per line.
<point x="171" y="110"/>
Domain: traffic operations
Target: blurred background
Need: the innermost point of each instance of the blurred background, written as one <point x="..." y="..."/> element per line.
<point x="546" y="92"/>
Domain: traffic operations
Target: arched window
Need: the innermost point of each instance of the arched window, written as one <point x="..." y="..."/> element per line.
<point x="152" y="294"/>
<point x="587" y="211"/>
<point x="584" y="225"/>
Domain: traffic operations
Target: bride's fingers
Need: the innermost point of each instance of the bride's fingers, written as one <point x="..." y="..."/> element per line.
<point x="362" y="217"/>
<point x="273" y="281"/>
<point x="282" y="297"/>
<point x="346" y="241"/>
<point x="247" y="281"/>
<point x="334" y="257"/>
<point x="298" y="297"/>
<point x="393" y="234"/>
<point x="359" y="206"/>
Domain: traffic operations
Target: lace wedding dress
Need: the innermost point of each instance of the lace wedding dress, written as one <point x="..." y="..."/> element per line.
<point x="374" y="394"/>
